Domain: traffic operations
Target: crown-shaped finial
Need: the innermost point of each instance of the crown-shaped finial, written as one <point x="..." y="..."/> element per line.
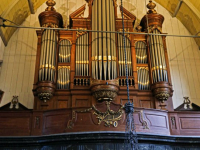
<point x="151" y="5"/>
<point x="50" y="4"/>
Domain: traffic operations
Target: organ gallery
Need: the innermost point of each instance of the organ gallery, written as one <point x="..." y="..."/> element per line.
<point x="87" y="72"/>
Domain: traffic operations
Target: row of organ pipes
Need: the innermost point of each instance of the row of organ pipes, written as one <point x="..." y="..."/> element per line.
<point x="63" y="81"/>
<point x="48" y="56"/>
<point x="104" y="59"/>
<point x="103" y="44"/>
<point x="64" y="51"/>
<point x="82" y="55"/>
<point x="158" y="63"/>
<point x="122" y="65"/>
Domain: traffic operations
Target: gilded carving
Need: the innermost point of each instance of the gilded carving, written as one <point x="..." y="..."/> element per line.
<point x="109" y="117"/>
<point x="44" y="96"/>
<point x="80" y="31"/>
<point x="144" y="122"/>
<point x="163" y="96"/>
<point x="51" y="25"/>
<point x="105" y="94"/>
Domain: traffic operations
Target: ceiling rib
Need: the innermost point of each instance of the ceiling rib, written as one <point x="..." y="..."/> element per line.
<point x="177" y="8"/>
<point x="30" y="3"/>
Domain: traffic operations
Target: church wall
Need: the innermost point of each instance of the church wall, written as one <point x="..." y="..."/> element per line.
<point x="17" y="71"/>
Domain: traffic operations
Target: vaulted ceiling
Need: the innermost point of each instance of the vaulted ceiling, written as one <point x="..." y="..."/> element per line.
<point x="187" y="11"/>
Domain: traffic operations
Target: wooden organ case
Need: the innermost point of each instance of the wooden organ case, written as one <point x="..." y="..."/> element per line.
<point x="82" y="68"/>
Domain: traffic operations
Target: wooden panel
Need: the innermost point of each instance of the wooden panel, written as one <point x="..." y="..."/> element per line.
<point x="56" y="121"/>
<point x="190" y="122"/>
<point x="145" y="103"/>
<point x="81" y="101"/>
<point x="14" y="124"/>
<point x="62" y="104"/>
<point x="37" y="122"/>
<point x="157" y="120"/>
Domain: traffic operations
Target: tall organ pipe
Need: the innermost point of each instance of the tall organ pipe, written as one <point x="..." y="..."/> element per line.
<point x="103" y="44"/>
<point x="158" y="62"/>
<point x="48" y="56"/>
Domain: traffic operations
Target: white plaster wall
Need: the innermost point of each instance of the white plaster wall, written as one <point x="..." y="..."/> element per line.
<point x="17" y="74"/>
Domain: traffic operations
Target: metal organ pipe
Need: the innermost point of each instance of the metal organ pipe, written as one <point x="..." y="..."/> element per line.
<point x="48" y="56"/>
<point x="103" y="44"/>
<point x="159" y="72"/>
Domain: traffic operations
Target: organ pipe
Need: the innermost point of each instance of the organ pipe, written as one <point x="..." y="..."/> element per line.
<point x="63" y="80"/>
<point x="82" y="58"/>
<point x="158" y="63"/>
<point x="48" y="56"/>
<point x="122" y="67"/>
<point x="103" y="44"/>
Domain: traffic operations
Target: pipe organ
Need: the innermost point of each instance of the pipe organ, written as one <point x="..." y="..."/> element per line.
<point x="82" y="67"/>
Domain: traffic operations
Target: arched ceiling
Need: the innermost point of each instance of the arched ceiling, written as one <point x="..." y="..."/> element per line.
<point x="187" y="11"/>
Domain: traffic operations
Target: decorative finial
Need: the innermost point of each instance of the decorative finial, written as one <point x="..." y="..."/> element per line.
<point x="151" y="7"/>
<point x="50" y="4"/>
